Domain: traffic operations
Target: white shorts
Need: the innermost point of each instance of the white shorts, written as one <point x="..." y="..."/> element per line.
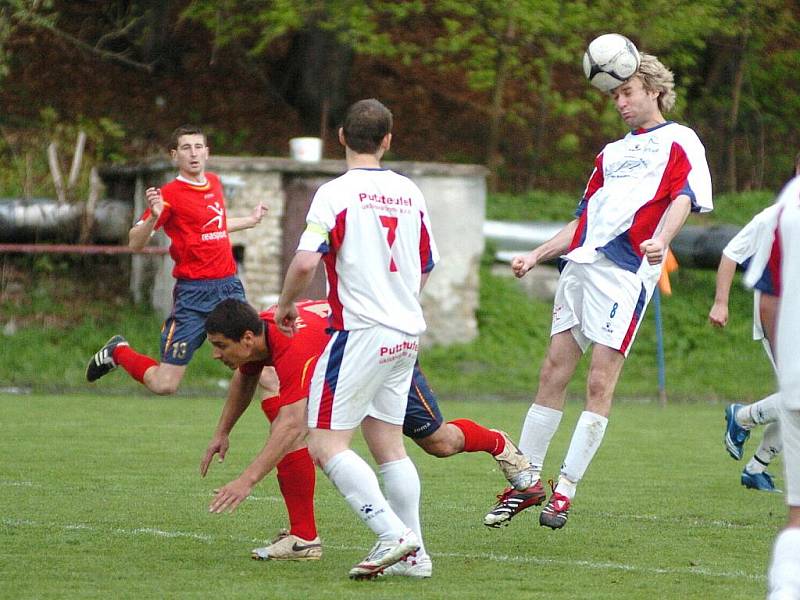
<point x="599" y="303"/>
<point x="364" y="372"/>
<point x="790" y="434"/>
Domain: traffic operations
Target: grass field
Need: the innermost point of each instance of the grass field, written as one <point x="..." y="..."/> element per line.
<point x="101" y="498"/>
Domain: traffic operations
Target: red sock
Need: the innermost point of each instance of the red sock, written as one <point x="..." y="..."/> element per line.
<point x="134" y="363"/>
<point x="479" y="439"/>
<point x="296" y="478"/>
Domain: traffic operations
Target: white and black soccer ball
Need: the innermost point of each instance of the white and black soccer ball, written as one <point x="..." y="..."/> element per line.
<point x="610" y="60"/>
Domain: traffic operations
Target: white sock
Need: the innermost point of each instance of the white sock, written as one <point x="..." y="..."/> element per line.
<point x="585" y="441"/>
<point x="784" y="568"/>
<point x="538" y="429"/>
<point x="357" y="482"/>
<point x="402" y="487"/>
<point x="758" y="413"/>
<point x="768" y="449"/>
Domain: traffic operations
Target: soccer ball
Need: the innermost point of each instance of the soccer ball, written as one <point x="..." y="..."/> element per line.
<point x="609" y="61"/>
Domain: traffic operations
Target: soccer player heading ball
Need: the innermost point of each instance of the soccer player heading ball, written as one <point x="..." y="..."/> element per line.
<point x="640" y="191"/>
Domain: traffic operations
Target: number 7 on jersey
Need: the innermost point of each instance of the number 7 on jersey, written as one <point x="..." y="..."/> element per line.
<point x="391" y="232"/>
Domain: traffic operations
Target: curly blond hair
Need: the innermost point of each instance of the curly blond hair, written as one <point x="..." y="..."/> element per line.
<point x="657" y="78"/>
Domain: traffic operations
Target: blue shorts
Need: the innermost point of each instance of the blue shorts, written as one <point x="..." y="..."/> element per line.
<point x="184" y="331"/>
<point x="423" y="416"/>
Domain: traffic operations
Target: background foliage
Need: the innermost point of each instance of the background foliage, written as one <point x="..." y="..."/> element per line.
<point x="469" y="81"/>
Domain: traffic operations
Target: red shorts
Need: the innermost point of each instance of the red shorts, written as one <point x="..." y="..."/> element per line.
<point x="272" y="405"/>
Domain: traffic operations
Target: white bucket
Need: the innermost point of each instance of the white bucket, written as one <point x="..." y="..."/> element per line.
<point x="306" y="149"/>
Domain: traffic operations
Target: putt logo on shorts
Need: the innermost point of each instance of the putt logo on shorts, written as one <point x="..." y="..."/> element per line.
<point x="390" y="353"/>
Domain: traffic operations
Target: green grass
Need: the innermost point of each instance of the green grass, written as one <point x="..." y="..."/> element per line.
<point x="101" y="499"/>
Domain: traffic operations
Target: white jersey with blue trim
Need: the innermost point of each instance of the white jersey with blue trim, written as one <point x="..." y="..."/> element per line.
<point x="373" y="229"/>
<point x="759" y="231"/>
<point x="631" y="187"/>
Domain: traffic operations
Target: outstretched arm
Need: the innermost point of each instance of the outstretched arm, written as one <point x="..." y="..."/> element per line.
<point x="239" y="223"/>
<point x="240" y="394"/>
<point x="288" y="428"/>
<point x="718" y="315"/>
<point x="555" y="246"/>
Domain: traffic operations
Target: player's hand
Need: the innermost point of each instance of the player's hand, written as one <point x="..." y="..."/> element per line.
<point x="218" y="445"/>
<point x="286" y="319"/>
<point x="258" y="213"/>
<point x="520" y="265"/>
<point x="155" y="201"/>
<point x="230" y="496"/>
<point x="654" y="250"/>
<point x="718" y="315"/>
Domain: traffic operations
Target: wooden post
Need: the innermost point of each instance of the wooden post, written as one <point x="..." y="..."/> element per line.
<point x="137" y="260"/>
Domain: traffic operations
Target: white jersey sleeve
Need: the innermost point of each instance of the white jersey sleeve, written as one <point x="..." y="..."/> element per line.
<point x="757" y="231"/>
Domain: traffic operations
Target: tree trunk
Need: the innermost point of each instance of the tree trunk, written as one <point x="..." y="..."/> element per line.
<point x="317" y="71"/>
<point x="493" y="156"/>
<point x="733" y="119"/>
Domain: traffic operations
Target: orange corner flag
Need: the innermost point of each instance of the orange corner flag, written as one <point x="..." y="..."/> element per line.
<point x="670" y="265"/>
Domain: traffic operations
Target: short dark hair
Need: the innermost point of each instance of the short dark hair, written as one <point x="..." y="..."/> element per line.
<point x="365" y="125"/>
<point x="232" y="318"/>
<point x="185" y="130"/>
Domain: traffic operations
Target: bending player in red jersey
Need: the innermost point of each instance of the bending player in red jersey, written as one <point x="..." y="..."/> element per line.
<point x="191" y="210"/>
<point x="248" y="342"/>
<point x="231" y="331"/>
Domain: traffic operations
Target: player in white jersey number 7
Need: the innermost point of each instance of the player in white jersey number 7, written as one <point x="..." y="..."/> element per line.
<point x="372" y="227"/>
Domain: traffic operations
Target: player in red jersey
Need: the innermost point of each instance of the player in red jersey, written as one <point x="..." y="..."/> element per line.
<point x="248" y="342"/>
<point x="191" y="210"/>
<point x="233" y="331"/>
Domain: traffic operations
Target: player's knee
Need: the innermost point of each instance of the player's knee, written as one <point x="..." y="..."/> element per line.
<point x="438" y="446"/>
<point x="597" y="384"/>
<point x="551" y="369"/>
<point x="163" y="387"/>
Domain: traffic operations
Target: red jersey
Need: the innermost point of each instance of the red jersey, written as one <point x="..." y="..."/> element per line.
<point x="195" y="221"/>
<point x="294" y="358"/>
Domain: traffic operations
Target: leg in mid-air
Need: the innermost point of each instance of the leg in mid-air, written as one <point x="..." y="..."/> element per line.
<point x="604" y="370"/>
<point x="182" y="334"/>
<point x="159" y="378"/>
<point x="540" y="425"/>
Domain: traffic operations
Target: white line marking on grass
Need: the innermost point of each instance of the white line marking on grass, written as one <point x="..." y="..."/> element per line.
<point x="500" y="558"/>
<point x="698" y="521"/>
